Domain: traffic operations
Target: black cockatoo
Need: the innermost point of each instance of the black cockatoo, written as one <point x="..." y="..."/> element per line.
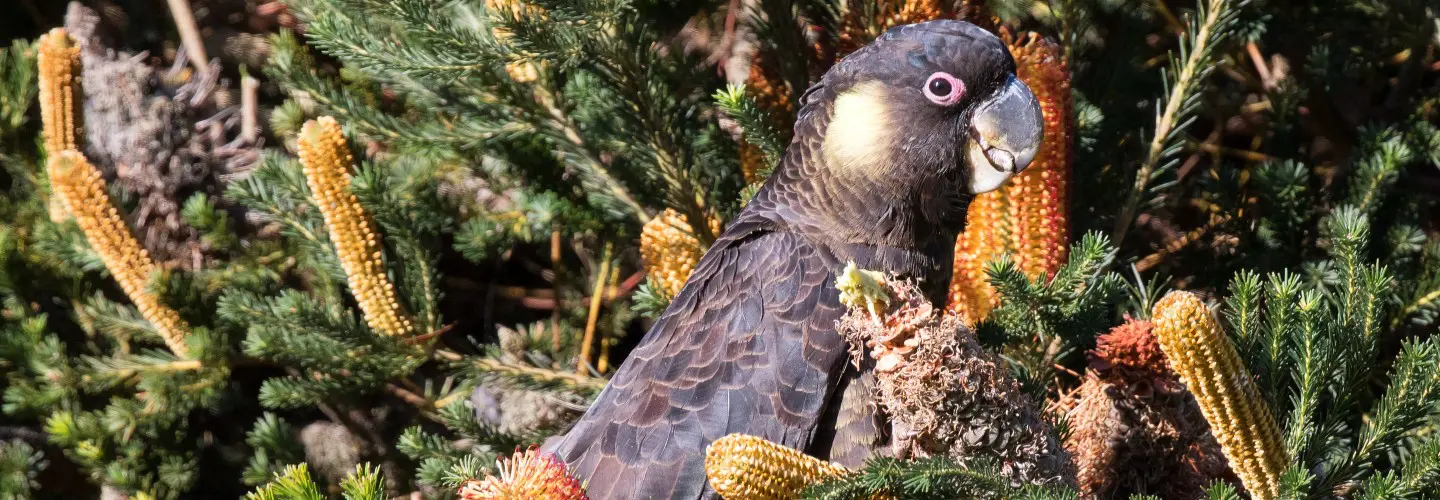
<point x="889" y="148"/>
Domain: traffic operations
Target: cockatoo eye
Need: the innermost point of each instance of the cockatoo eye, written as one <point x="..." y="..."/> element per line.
<point x="944" y="89"/>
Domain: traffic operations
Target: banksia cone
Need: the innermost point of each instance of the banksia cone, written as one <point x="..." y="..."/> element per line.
<point x="1027" y="217"/>
<point x="357" y="241"/>
<point x="529" y="474"/>
<point x="943" y="394"/>
<point x="1134" y="428"/>
<point x="59" y="62"/>
<point x="1232" y="404"/>
<point x="670" y="249"/>
<point x="743" y="467"/>
<point x="752" y="162"/>
<point x="81" y="190"/>
<point x="861" y="25"/>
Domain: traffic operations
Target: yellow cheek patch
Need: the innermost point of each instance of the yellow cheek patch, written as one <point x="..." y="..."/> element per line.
<point x="860" y="134"/>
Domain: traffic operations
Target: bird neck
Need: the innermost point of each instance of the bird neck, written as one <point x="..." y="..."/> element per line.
<point x="874" y="229"/>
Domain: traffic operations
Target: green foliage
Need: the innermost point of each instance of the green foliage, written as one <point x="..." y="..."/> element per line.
<point x="20" y="463"/>
<point x="17" y="87"/>
<point x="274" y="445"/>
<point x="1047" y="321"/>
<point x="929" y="478"/>
<point x="755" y="121"/>
<point x="293" y="483"/>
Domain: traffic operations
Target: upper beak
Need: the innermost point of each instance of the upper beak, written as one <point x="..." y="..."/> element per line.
<point x="1005" y="132"/>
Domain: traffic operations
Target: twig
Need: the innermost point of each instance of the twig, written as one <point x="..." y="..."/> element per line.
<point x="603" y="365"/>
<point x="1176" y="244"/>
<point x="189" y="34"/>
<point x="555" y="264"/>
<point x="1170" y="19"/>
<point x="413" y="399"/>
<point x="544" y="298"/>
<point x="601" y="278"/>
<point x="1251" y="156"/>
<point x="249" y="109"/>
<point x="568" y="379"/>
<point x="1260" y="66"/>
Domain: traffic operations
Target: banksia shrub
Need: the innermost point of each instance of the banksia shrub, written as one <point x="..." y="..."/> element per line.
<point x="353" y="232"/>
<point x="743" y="467"/>
<point x="1133" y="427"/>
<point x="81" y="190"/>
<point x="59" y="61"/>
<point x="528" y="474"/>
<point x="1027" y="217"/>
<point x="670" y="250"/>
<point x="1231" y="402"/>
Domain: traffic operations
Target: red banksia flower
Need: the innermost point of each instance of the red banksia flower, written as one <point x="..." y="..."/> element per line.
<point x="531" y="474"/>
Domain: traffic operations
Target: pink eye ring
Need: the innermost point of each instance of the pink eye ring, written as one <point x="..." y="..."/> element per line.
<point x="944" y="89"/>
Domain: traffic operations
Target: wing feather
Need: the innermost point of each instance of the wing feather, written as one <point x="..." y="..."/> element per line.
<point x="749" y="345"/>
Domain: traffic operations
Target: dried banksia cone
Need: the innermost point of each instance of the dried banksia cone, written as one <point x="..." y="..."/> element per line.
<point x="1134" y="428"/>
<point x="529" y="474"/>
<point x="81" y="190"/>
<point x="353" y="232"/>
<point x="1211" y="369"/>
<point x="59" y="62"/>
<point x="943" y="393"/>
<point x="670" y="249"/>
<point x="1027" y="217"/>
<point x="744" y="467"/>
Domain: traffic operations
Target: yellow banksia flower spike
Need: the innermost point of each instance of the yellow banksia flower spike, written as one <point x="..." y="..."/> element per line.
<point x="744" y="467"/>
<point x="1028" y="216"/>
<point x="1228" y="397"/>
<point x="327" y="164"/>
<point x="82" y="192"/>
<point x="59" y="63"/>
<point x="670" y="249"/>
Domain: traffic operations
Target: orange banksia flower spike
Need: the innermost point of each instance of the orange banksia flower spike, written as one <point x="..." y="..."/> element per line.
<point x="327" y="164"/>
<point x="82" y="192"/>
<point x="59" y="62"/>
<point x="1028" y="216"/>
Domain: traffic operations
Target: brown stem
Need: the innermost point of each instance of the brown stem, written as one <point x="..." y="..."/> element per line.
<point x="555" y="265"/>
<point x="1251" y="156"/>
<point x="1261" y="66"/>
<point x="1174" y="245"/>
<point x="594" y="315"/>
<point x="249" y="109"/>
<point x="189" y="34"/>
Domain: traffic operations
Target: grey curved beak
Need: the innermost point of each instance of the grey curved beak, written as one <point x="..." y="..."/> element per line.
<point x="1006" y="131"/>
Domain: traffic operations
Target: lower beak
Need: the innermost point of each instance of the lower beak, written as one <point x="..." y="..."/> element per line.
<point x="1005" y="132"/>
